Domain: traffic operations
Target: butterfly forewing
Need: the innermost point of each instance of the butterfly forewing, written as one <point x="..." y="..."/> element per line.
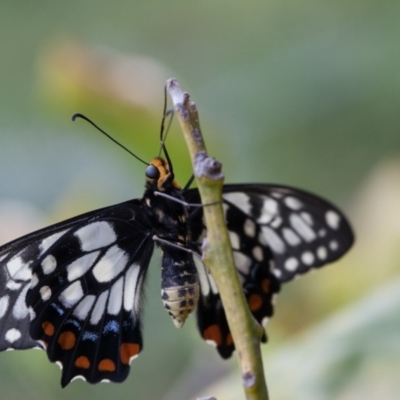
<point x="301" y="230"/>
<point x="81" y="296"/>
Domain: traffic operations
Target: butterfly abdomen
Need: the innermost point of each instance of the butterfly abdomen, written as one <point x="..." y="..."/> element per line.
<point x="180" y="286"/>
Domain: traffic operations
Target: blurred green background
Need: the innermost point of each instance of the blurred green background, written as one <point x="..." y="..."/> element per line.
<point x="298" y="93"/>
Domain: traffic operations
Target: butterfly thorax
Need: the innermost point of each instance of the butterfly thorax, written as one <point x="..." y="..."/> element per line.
<point x="169" y="219"/>
<point x="167" y="216"/>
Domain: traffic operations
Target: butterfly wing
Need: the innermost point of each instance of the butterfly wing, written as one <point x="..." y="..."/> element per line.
<point x="302" y="230"/>
<point x="276" y="233"/>
<point x="259" y="286"/>
<point x="74" y="289"/>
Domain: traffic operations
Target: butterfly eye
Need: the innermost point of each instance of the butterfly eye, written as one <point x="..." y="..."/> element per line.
<point x="152" y="172"/>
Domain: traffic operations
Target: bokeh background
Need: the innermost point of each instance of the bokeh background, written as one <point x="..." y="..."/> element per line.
<point x="298" y="93"/>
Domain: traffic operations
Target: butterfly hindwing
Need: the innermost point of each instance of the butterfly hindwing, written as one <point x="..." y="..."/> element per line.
<point x="82" y="291"/>
<point x="259" y="286"/>
<point x="276" y="233"/>
<point x="301" y="230"/>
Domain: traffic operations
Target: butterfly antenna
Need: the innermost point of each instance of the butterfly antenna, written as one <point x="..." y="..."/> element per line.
<point x="163" y="136"/>
<point x="189" y="182"/>
<point x="78" y="115"/>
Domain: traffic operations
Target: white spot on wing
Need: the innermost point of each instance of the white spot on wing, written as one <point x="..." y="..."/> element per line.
<point x="79" y="267"/>
<point x="82" y="310"/>
<point x="273" y="239"/>
<point x="49" y="264"/>
<point x="201" y="271"/>
<point x="262" y="239"/>
<point x="322" y="253"/>
<point x="277" y="272"/>
<point x="19" y="270"/>
<point x="77" y="377"/>
<point x="240" y="200"/>
<point x="12" y="285"/>
<point x="268" y="211"/>
<point x="249" y="228"/>
<point x="32" y="314"/>
<point x="99" y="308"/>
<point x="96" y="235"/>
<point x="130" y="285"/>
<point x="20" y="310"/>
<point x="234" y="238"/>
<point x="213" y="285"/>
<point x="291" y="238"/>
<point x="333" y="245"/>
<point x="4" y="301"/>
<point x="34" y="281"/>
<point x="49" y="241"/>
<point x="258" y="253"/>
<point x="307" y="258"/>
<point x="291" y="264"/>
<point x="332" y="219"/>
<point x="276" y="222"/>
<point x="293" y="203"/>
<point x="110" y="265"/>
<point x="115" y="300"/>
<point x="264" y="322"/>
<point x="45" y="293"/>
<point x="302" y="228"/>
<point x="72" y="294"/>
<point x="12" y="335"/>
<point x="242" y="262"/>
<point x="307" y="217"/>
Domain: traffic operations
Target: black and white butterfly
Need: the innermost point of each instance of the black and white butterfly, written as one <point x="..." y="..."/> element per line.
<point x="75" y="288"/>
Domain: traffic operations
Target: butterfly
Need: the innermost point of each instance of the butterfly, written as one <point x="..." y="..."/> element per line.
<point x="75" y="289"/>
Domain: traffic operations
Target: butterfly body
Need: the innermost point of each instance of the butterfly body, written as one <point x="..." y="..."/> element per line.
<point x="74" y="289"/>
<point x="169" y="218"/>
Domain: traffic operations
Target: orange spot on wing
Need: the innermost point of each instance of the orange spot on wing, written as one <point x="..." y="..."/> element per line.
<point x="266" y="285"/>
<point x="82" y="362"/>
<point x="106" y="365"/>
<point x="213" y="333"/>
<point x="67" y="340"/>
<point x="229" y="339"/>
<point x="128" y="350"/>
<point x="48" y="328"/>
<point x="255" y="302"/>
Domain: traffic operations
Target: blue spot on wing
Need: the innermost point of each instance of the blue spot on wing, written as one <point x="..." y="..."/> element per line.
<point x="90" y="336"/>
<point x="111" y="326"/>
<point x="74" y="323"/>
<point x="59" y="310"/>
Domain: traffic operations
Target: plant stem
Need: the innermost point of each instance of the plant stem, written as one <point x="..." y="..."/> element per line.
<point x="217" y="252"/>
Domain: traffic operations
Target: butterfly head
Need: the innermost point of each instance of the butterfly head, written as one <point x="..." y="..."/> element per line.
<point x="159" y="175"/>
